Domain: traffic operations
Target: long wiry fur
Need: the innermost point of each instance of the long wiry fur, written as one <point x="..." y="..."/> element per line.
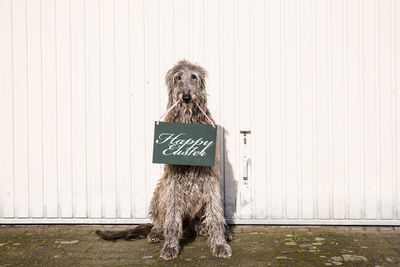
<point x="185" y="196"/>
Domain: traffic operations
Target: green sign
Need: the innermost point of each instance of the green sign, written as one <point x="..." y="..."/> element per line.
<point x="184" y="144"/>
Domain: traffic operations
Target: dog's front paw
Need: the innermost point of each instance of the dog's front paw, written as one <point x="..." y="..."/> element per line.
<point x="222" y="251"/>
<point x="169" y="253"/>
<point x="155" y="237"/>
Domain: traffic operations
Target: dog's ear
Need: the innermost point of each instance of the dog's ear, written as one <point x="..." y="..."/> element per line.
<point x="169" y="77"/>
<point x="202" y="75"/>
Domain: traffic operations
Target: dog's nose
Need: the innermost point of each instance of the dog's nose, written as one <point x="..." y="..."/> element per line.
<point x="186" y="98"/>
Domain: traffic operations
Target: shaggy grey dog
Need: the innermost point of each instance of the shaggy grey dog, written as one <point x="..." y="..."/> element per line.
<point x="186" y="197"/>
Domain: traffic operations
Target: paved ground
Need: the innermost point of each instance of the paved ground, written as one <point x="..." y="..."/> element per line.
<point x="68" y="245"/>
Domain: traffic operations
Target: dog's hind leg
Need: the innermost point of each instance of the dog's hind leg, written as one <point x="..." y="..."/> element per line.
<point x="156" y="234"/>
<point x="214" y="219"/>
<point x="173" y="222"/>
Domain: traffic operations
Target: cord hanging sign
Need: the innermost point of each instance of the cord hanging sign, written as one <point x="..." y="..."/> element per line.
<point x="184" y="143"/>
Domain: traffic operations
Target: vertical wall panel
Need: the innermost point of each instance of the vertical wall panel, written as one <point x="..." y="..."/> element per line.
<point x="386" y="157"/>
<point x="82" y="83"/>
<point x="370" y="99"/>
<point x="197" y="31"/>
<point x="305" y="91"/>
<point x="276" y="85"/>
<point x="290" y="107"/>
<point x="139" y="118"/>
<point x="354" y="108"/>
<point x="78" y="111"/>
<point x="182" y="29"/>
<point x="322" y="94"/>
<point x="21" y="172"/>
<point x="35" y="123"/>
<point x="123" y="108"/>
<point x="93" y="108"/>
<point x="7" y="111"/>
<point x="64" y="105"/>
<point x="108" y="108"/>
<point x="259" y="107"/>
<point x="50" y="162"/>
<point x="338" y="108"/>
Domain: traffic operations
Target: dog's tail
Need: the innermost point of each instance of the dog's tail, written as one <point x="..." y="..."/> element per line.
<point x="139" y="232"/>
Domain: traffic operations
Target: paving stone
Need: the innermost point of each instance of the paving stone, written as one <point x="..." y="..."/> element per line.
<point x="336" y="258"/>
<point x="354" y="258"/>
<point x="147" y="257"/>
<point x="280" y="257"/>
<point x="67" y="242"/>
<point x="317" y="244"/>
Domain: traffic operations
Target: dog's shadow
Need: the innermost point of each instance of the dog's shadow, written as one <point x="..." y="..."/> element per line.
<point x="229" y="185"/>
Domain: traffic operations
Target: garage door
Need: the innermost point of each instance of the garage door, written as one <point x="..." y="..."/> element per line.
<point x="305" y="92"/>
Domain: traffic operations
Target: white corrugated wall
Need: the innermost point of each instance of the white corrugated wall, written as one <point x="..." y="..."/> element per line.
<point x="316" y="81"/>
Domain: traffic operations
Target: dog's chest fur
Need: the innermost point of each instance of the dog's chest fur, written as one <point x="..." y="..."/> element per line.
<point x="189" y="185"/>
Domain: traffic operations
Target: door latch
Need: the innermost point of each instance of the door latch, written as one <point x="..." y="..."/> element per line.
<point x="245" y="131"/>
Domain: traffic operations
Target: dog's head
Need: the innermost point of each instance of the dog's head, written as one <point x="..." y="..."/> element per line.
<point x="186" y="82"/>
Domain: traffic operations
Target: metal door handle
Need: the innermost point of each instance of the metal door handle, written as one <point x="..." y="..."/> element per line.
<point x="245" y="167"/>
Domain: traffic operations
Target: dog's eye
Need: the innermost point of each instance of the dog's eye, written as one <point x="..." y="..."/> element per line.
<point x="179" y="77"/>
<point x="193" y="77"/>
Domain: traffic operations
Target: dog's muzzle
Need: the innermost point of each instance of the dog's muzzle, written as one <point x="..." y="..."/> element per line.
<point x="187" y="98"/>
